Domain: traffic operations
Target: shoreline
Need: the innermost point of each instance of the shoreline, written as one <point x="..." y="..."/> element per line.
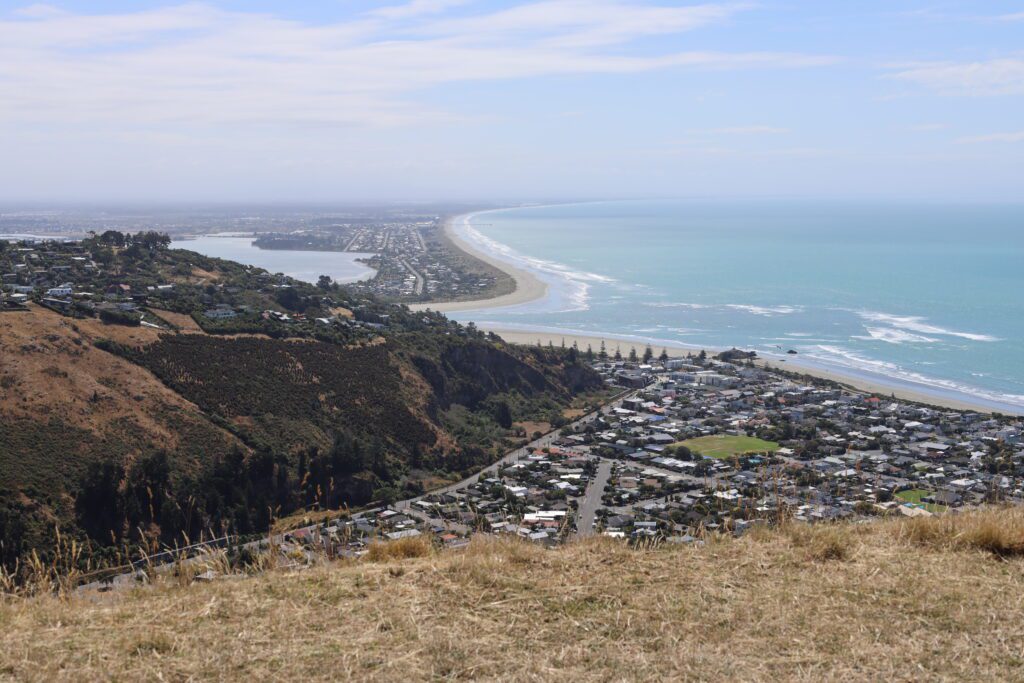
<point x="528" y="337"/>
<point x="528" y="287"/>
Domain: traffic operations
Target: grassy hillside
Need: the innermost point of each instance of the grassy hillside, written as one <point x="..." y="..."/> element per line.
<point x="67" y="406"/>
<point x="934" y="599"/>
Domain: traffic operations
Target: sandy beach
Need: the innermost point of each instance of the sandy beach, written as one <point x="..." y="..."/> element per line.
<point x="625" y="343"/>
<point x="528" y="286"/>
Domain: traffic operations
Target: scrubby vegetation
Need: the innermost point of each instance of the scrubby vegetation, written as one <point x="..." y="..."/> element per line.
<point x="319" y="388"/>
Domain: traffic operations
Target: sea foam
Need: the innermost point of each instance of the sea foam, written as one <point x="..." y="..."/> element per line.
<point x="892" y="335"/>
<point x="838" y="356"/>
<point x="915" y="323"/>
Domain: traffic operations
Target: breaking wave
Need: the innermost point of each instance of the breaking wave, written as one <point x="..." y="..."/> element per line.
<point x="747" y="308"/>
<point x="844" y="358"/>
<point x="892" y="335"/>
<point x="916" y="323"/>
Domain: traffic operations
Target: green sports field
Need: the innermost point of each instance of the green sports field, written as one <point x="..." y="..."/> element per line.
<point x="915" y="495"/>
<point x="724" y="446"/>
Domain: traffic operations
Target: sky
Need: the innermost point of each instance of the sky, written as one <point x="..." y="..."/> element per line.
<point x="437" y="100"/>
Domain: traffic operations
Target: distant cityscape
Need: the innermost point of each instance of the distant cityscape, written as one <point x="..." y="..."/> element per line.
<point x="413" y="258"/>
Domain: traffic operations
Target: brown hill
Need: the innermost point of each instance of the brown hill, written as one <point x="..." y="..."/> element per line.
<point x="65" y="404"/>
<point x="57" y="388"/>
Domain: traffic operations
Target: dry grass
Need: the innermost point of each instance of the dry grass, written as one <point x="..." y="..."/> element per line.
<point x="999" y="531"/>
<point x="54" y="370"/>
<point x="863" y="602"/>
<point x="184" y="323"/>
<point x="531" y="427"/>
<point x="402" y="549"/>
<point x="821" y="542"/>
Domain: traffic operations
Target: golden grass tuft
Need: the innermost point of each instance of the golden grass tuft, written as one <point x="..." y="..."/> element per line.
<point x="851" y="602"/>
<point x="401" y="549"/>
<point x="822" y="542"/>
<point x="999" y="531"/>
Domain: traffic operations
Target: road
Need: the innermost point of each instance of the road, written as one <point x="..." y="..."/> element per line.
<point x="355" y="236"/>
<point x="592" y="499"/>
<point x="420" y="281"/>
<point x="512" y="456"/>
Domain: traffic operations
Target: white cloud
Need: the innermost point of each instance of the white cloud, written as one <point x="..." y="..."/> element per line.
<point x="992" y="77"/>
<point x="1016" y="16"/>
<point x="195" y="64"/>
<point x="1017" y="136"/>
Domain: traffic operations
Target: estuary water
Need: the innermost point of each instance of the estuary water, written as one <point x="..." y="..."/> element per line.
<point x="924" y="296"/>
<point x="306" y="266"/>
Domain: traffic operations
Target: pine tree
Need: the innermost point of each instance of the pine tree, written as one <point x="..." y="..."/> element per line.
<point x="648" y="354"/>
<point x="590" y="354"/>
<point x="603" y="353"/>
<point x="664" y="355"/>
<point x="632" y="354"/>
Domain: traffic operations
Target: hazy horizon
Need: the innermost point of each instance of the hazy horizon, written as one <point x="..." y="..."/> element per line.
<point x="231" y="102"/>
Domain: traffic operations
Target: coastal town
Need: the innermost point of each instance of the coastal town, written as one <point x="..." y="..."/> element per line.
<point x="95" y="278"/>
<point x="408" y="247"/>
<point x="701" y="445"/>
<point x="415" y="262"/>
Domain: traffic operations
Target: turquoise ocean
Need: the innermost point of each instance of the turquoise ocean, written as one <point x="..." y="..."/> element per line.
<point x="920" y="296"/>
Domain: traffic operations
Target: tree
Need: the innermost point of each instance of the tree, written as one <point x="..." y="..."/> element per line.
<point x="648" y="354"/>
<point x="590" y="354"/>
<point x="113" y="238"/>
<point x="324" y="282"/>
<point x="664" y="355"/>
<point x="502" y="414"/>
<point x="632" y="354"/>
<point x="289" y="298"/>
<point x="99" y="504"/>
<point x="618" y="353"/>
<point x="603" y="353"/>
<point x="702" y="356"/>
